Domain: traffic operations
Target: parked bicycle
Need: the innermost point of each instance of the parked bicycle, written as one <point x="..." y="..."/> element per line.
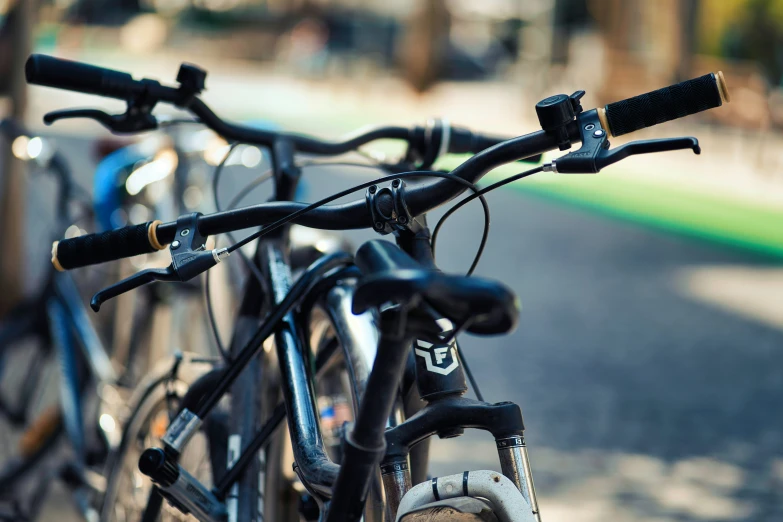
<point x="50" y="334"/>
<point x="387" y="315"/>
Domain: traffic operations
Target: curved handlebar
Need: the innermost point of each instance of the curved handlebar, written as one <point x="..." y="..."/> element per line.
<point x="420" y="197"/>
<point x="80" y="77"/>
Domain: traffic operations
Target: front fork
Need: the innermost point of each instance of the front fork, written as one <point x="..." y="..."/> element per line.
<point x="441" y="382"/>
<point x="514" y="463"/>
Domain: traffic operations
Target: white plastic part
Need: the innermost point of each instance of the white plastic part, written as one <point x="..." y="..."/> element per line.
<point x="507" y="502"/>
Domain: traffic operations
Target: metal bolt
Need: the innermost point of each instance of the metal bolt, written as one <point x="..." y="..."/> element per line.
<point x="379" y="225"/>
<point x="589" y="127"/>
<point x="396" y="183"/>
<point x="175" y="245"/>
<point x="185" y="232"/>
<point x="373" y="189"/>
<point x="402" y="220"/>
<point x="598" y="133"/>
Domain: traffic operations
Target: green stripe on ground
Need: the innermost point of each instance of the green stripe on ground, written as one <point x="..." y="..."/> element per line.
<point x="732" y="222"/>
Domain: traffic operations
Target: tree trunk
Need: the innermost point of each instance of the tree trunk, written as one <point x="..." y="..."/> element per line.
<point x="12" y="205"/>
<point x="425" y="45"/>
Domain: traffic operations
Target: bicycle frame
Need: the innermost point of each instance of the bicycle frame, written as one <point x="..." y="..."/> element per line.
<point x="446" y="414"/>
<point x="313" y="465"/>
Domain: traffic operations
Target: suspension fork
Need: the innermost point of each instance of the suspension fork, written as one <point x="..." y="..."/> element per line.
<point x="450" y="411"/>
<point x="449" y="415"/>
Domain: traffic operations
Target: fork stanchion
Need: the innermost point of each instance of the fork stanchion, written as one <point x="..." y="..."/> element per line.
<point x="396" y="477"/>
<point x="515" y="464"/>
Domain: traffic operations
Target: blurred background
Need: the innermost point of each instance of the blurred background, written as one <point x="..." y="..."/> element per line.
<point x="648" y="357"/>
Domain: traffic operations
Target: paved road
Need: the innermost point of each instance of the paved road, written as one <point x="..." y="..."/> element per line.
<point x="641" y="402"/>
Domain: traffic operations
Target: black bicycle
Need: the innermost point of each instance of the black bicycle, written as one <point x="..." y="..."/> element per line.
<point x="384" y="319"/>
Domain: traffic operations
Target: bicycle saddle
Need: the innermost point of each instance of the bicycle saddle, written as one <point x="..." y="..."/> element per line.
<point x="391" y="275"/>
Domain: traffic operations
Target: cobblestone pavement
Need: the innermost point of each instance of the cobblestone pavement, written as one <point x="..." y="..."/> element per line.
<point x="642" y="402"/>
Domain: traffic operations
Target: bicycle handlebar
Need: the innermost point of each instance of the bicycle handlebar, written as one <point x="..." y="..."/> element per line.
<point x="420" y="197"/>
<point x="54" y="72"/>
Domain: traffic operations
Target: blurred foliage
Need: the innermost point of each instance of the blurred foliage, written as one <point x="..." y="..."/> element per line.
<point x="745" y="30"/>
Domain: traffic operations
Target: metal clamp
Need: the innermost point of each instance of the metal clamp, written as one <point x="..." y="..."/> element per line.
<point x="387" y="219"/>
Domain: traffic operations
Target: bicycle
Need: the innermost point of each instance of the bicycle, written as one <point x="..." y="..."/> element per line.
<point x="386" y="301"/>
<point x="43" y="326"/>
<point x="52" y="331"/>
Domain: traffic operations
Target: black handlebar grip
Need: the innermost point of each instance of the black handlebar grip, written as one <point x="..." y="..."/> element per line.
<point x="111" y="245"/>
<point x="381" y="256"/>
<point x="685" y="98"/>
<point x="49" y="71"/>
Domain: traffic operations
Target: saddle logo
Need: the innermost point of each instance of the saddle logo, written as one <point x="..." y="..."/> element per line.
<point x="441" y="359"/>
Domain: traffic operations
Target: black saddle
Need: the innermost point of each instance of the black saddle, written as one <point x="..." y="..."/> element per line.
<point x="390" y="275"/>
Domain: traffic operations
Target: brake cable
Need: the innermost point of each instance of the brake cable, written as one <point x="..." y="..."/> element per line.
<point x="431" y="173"/>
<point x="479" y="194"/>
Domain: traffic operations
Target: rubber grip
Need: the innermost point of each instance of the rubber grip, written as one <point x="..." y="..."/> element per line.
<point x="49" y="71"/>
<point x="116" y="244"/>
<point x="676" y="101"/>
<point x="381" y="256"/>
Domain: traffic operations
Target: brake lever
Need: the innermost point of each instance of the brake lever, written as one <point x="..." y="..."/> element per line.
<point x="134" y="120"/>
<point x="132" y="282"/>
<point x="595" y="154"/>
<point x="607" y="157"/>
<point x="189" y="258"/>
